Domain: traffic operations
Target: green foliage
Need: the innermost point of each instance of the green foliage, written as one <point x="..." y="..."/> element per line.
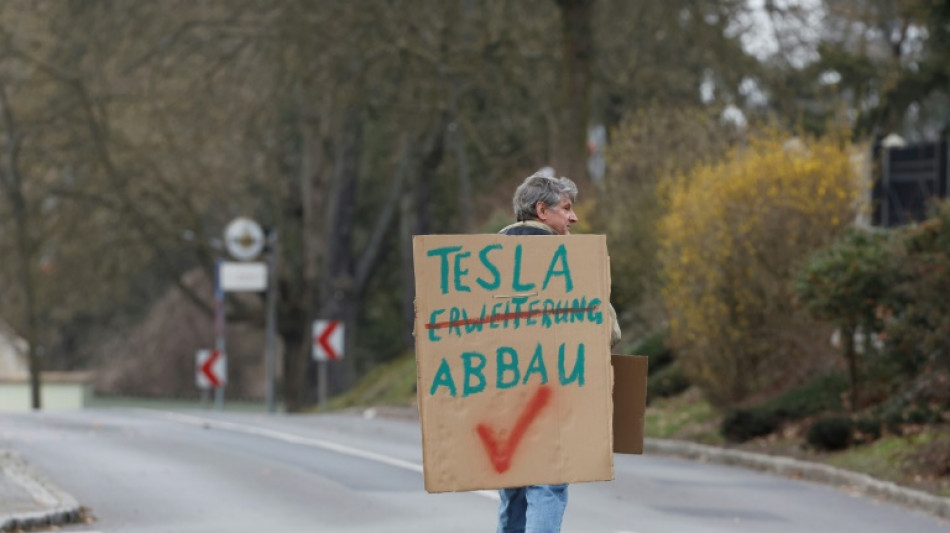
<point x="740" y="425"/>
<point x="393" y="383"/>
<point x="685" y="416"/>
<point x="669" y="381"/>
<point x="656" y="348"/>
<point x="830" y="433"/>
<point x="918" y="321"/>
<point x="847" y="281"/>
<point x="820" y="394"/>
<point x="868" y="428"/>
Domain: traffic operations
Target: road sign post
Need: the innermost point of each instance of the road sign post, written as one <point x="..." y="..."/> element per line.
<point x="245" y="240"/>
<point x="328" y="344"/>
<point x="270" y="343"/>
<point x="219" y="339"/>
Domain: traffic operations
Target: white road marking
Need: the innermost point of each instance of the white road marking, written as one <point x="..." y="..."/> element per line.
<point x="307" y="441"/>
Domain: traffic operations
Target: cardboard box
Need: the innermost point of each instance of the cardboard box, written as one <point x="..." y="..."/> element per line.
<point x="630" y="399"/>
<point x="513" y="360"/>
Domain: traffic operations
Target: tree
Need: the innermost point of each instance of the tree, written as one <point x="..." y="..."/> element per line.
<point x="848" y="284"/>
<point x="646" y="147"/>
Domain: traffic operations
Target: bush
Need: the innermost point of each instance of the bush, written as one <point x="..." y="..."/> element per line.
<point x="918" y="321"/>
<point x="729" y="248"/>
<point x="740" y="425"/>
<point x="830" y="433"/>
<point x="820" y="394"/>
<point x="657" y="349"/>
<point x="847" y="283"/>
<point x="869" y="428"/>
<point x="667" y="382"/>
<point x="894" y="422"/>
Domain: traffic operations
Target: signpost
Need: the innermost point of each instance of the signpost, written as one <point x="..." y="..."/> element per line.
<point x="328" y="342"/>
<point x="245" y="240"/>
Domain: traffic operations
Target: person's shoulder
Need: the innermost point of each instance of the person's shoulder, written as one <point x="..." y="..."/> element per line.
<point x="528" y="227"/>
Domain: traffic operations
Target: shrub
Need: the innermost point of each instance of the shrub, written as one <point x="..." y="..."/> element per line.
<point x="669" y="381"/>
<point x="740" y="425"/>
<point x="847" y="283"/>
<point x="729" y="247"/>
<point x="918" y="325"/>
<point x="657" y="349"/>
<point x="894" y="422"/>
<point x="644" y="147"/>
<point x="820" y="394"/>
<point x="869" y="428"/>
<point x="830" y="433"/>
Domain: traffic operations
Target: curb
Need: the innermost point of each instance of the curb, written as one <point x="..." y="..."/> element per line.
<point x="60" y="507"/>
<point x="798" y="469"/>
<point x="784" y="466"/>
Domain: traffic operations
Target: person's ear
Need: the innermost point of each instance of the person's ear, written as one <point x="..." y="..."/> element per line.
<point x="541" y="209"/>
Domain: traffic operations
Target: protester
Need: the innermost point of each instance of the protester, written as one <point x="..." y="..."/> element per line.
<point x="544" y="205"/>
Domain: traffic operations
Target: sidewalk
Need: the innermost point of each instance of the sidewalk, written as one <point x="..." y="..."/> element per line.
<point x="28" y="499"/>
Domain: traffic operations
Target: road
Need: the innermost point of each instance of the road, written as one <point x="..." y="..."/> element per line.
<point x="148" y="471"/>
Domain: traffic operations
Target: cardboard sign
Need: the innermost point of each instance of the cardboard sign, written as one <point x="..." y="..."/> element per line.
<point x="630" y="401"/>
<point x="513" y="360"/>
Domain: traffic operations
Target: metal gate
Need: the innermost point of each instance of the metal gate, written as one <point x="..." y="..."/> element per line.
<point x="909" y="178"/>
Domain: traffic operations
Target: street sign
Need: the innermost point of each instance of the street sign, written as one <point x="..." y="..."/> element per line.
<point x="242" y="277"/>
<point x="211" y="369"/>
<point x="328" y="340"/>
<point x="244" y="239"/>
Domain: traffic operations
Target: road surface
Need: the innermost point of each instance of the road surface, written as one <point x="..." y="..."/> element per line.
<point x="149" y="471"/>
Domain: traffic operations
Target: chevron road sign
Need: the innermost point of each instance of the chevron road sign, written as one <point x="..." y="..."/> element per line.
<point x="328" y="340"/>
<point x="211" y="369"/>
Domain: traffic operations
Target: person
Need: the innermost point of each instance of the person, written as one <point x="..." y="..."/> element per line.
<point x="544" y="205"/>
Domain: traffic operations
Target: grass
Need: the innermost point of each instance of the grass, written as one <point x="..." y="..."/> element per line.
<point x="882" y="459"/>
<point x="900" y="459"/>
<point x="687" y="417"/>
<point x="392" y="383"/>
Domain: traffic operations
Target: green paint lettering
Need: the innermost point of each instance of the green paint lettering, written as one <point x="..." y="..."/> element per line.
<point x="516" y="283"/>
<point x="560" y="255"/>
<point x="443" y="254"/>
<point x="577" y="374"/>
<point x="536" y="367"/>
<point x="474" y="364"/>
<point x="507" y="362"/>
<point x="432" y="317"/>
<point x="461" y="273"/>
<point x="496" y="276"/>
<point x="443" y="378"/>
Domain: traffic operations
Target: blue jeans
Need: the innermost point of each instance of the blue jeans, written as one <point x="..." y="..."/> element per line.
<point x="532" y="509"/>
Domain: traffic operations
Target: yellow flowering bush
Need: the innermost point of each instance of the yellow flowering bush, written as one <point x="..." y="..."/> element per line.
<point x="733" y="237"/>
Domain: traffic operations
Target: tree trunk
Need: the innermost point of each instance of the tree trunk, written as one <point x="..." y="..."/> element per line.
<point x="847" y="343"/>
<point x="570" y="158"/>
<point x="337" y="301"/>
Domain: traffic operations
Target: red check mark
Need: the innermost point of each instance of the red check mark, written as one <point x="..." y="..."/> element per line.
<point x="500" y="452"/>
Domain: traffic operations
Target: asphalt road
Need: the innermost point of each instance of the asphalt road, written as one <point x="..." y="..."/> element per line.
<point x="144" y="471"/>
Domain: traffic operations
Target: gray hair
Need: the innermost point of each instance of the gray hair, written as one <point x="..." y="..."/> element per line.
<point x="541" y="187"/>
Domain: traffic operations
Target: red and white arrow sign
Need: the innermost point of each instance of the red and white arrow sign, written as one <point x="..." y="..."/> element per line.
<point x="328" y="340"/>
<point x="211" y="369"/>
